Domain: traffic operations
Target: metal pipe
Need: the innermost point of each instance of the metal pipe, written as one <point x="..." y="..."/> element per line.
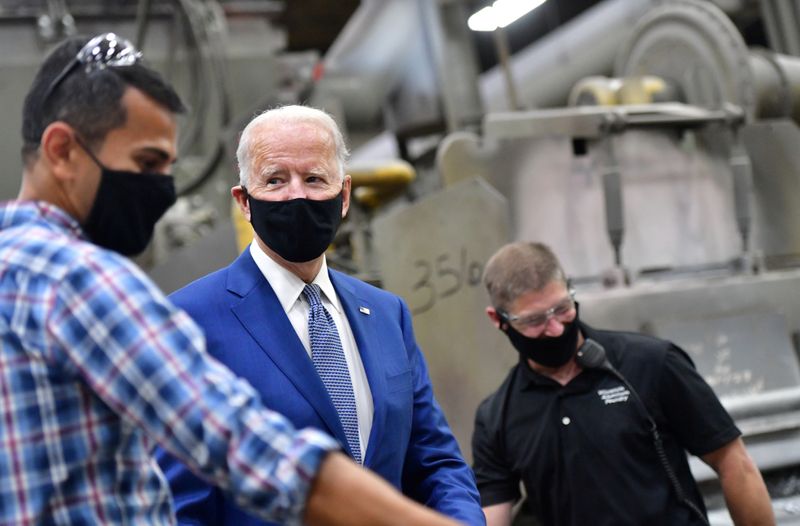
<point x="375" y="183"/>
<point x="373" y="47"/>
<point x="787" y="18"/>
<point x="613" y="200"/>
<point x="501" y="44"/>
<point x="142" y="11"/>
<point x="769" y="18"/>
<point x="769" y="402"/>
<point x="88" y="11"/>
<point x="742" y="172"/>
<point x="547" y="69"/>
<point x="454" y="61"/>
<point x="777" y="82"/>
<point x="374" y="40"/>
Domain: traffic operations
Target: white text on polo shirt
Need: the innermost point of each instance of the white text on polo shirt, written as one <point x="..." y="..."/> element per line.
<point x="615" y="395"/>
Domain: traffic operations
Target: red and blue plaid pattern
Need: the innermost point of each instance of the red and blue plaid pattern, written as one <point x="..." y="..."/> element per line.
<point x="95" y="365"/>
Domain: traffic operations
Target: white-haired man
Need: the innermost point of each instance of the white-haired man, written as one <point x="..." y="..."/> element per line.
<point x="324" y="349"/>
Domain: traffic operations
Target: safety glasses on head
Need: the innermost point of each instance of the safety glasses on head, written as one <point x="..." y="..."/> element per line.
<point x="102" y="51"/>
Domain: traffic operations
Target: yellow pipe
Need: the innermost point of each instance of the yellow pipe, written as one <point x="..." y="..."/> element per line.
<point x="377" y="182"/>
<point x="604" y="91"/>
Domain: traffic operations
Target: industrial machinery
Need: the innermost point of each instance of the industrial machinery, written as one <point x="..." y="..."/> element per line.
<point x="657" y="154"/>
<point x="655" y="151"/>
<point x="668" y="192"/>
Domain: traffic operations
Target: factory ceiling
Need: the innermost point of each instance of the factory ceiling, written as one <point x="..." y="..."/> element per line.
<point x="315" y="24"/>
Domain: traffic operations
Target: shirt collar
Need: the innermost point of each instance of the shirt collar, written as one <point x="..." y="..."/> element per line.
<point x="286" y="285"/>
<point x="323" y="279"/>
<point x="531" y="379"/>
<point x="13" y="213"/>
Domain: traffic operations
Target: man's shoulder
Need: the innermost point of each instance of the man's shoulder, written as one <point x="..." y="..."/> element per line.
<point x="58" y="256"/>
<point x="631" y="348"/>
<point x="203" y="288"/>
<point x="492" y="405"/>
<point x="627" y="339"/>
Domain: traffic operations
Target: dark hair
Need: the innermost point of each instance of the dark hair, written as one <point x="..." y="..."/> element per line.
<point x="90" y="103"/>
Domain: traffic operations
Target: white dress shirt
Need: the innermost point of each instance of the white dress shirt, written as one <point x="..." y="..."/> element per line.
<point x="289" y="289"/>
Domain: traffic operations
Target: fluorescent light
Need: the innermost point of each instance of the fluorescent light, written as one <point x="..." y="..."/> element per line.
<point x="506" y="11"/>
<point x="501" y="13"/>
<point x="483" y="20"/>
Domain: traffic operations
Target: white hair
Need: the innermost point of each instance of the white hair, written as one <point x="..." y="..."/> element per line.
<point x="287" y="114"/>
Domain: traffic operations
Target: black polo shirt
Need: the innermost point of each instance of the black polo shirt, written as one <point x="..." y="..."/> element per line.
<point x="584" y="451"/>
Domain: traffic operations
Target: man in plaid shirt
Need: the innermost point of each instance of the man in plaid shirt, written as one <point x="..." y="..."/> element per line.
<point x="96" y="366"/>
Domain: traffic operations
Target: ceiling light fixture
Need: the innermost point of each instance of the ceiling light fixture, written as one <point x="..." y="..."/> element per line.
<point x="501" y="13"/>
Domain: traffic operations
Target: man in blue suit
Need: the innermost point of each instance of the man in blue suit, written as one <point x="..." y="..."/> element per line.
<point x="324" y="349"/>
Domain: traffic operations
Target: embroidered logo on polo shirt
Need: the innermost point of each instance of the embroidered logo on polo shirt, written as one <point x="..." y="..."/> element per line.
<point x="615" y="395"/>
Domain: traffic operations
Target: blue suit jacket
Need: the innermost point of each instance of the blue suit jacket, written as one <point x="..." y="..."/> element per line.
<point x="410" y="444"/>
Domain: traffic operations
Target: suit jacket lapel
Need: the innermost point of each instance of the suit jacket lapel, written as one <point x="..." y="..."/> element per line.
<point x="364" y="331"/>
<point x="262" y="316"/>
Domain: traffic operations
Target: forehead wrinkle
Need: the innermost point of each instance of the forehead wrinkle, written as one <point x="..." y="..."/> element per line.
<point x="275" y="168"/>
<point x="267" y="147"/>
<point x="268" y="161"/>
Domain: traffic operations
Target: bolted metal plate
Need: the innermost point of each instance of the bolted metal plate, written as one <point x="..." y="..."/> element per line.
<point x="432" y="253"/>
<point x="694" y="46"/>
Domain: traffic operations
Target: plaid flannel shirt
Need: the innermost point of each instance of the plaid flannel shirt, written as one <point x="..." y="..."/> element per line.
<point x="95" y="365"/>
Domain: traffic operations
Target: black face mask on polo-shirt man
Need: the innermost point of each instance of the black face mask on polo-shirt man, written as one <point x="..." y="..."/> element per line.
<point x="298" y="230"/>
<point x="127" y="207"/>
<point x="544" y="350"/>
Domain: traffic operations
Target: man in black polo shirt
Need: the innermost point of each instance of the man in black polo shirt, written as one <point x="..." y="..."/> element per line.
<point x="580" y="438"/>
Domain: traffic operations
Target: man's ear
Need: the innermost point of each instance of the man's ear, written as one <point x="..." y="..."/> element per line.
<point x="58" y="150"/>
<point x="239" y="194"/>
<point x="347" y="185"/>
<point x="494" y="316"/>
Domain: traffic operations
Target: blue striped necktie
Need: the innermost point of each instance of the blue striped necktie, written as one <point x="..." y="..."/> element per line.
<point x="328" y="357"/>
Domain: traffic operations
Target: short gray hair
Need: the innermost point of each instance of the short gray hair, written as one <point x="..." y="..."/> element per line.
<point x="519" y="268"/>
<point x="286" y="114"/>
